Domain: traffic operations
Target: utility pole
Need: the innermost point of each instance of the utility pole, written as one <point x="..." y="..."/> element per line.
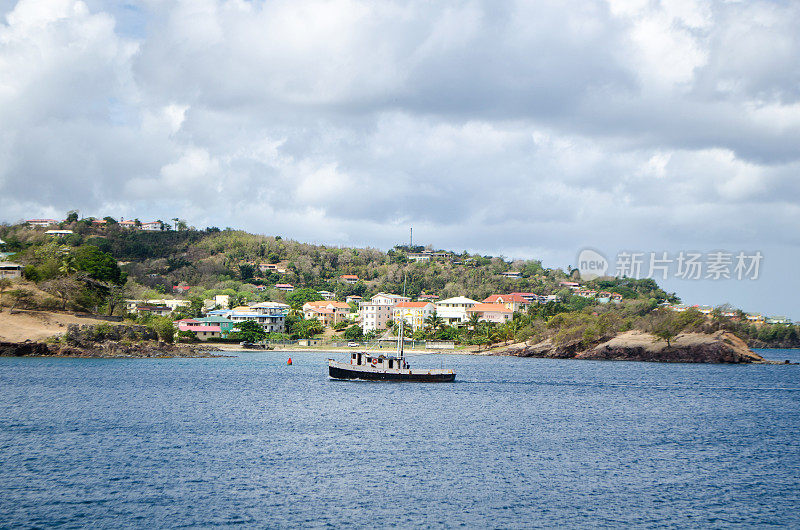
<point x="411" y="238"/>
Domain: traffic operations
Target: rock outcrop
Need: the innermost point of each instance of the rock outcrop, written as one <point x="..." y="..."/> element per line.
<point x="106" y="349"/>
<point x="720" y="347"/>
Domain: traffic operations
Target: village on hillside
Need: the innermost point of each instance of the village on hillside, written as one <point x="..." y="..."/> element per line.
<point x="323" y="312"/>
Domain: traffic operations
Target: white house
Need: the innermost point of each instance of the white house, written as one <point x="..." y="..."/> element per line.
<point x="10" y="270"/>
<point x="376" y="313"/>
<point x="151" y="226"/>
<point x="326" y="295"/>
<point x="286" y="287"/>
<point x="41" y="222"/>
<point x="454" y="310"/>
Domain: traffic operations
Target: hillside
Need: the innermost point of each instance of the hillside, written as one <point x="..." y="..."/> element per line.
<point x="97" y="266"/>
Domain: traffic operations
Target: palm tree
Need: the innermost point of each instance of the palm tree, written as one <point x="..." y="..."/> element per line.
<point x="434" y="321"/>
<point x="474" y="321"/>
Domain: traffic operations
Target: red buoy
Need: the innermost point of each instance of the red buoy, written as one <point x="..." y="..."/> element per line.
<point x="289" y="362"/>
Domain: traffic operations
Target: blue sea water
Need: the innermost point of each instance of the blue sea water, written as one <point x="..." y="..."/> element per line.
<point x="512" y="443"/>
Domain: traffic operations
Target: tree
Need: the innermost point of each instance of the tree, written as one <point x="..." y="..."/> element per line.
<point x="5" y="284"/>
<point x="246" y="271"/>
<point x="110" y="220"/>
<point x="72" y="216"/>
<point x="19" y="297"/>
<point x="434" y="321"/>
<point x="164" y="327"/>
<point x="299" y="297"/>
<point x="354" y="332"/>
<point x="251" y="331"/>
<point x="98" y="264"/>
<point x="63" y="288"/>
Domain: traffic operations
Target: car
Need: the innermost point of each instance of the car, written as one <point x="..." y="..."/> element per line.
<point x="352" y="344"/>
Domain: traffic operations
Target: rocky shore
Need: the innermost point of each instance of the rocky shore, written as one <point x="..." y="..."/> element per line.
<point x="720" y="347"/>
<point x="105" y="341"/>
<point x="106" y="349"/>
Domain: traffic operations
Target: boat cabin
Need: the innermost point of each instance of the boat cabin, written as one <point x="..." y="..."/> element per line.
<point x="378" y="361"/>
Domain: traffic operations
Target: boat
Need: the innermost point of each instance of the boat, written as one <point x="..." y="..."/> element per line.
<point x="373" y="367"/>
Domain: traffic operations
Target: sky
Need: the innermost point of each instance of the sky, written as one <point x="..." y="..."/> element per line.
<point x="521" y="129"/>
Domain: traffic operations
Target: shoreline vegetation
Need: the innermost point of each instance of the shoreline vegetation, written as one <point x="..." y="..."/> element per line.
<point x="84" y="290"/>
<point x="136" y="341"/>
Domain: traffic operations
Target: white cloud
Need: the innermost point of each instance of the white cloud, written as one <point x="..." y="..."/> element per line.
<point x="488" y="125"/>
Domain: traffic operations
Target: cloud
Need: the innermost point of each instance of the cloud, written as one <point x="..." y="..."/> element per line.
<point x="535" y="127"/>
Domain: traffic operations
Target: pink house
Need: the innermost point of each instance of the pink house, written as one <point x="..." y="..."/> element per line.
<point x="497" y="313"/>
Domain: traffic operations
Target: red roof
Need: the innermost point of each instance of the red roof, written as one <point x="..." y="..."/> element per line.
<point x="413" y="304"/>
<point x="495" y="298"/>
<point x="484" y="308"/>
<point x="349" y="277"/>
<point x="326" y="303"/>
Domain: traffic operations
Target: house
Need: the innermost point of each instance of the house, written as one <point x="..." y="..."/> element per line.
<point x="180" y="289"/>
<point x="413" y="313"/>
<point x="511" y="274"/>
<point x="530" y="297"/>
<point x="158" y="310"/>
<point x="327" y="312"/>
<point x="428" y="297"/>
<point x="269" y="308"/>
<point x="41" y="222"/>
<point x="572" y="285"/>
<point x="497" y="313"/>
<point x="225" y="324"/>
<point x="222" y="301"/>
<point x="349" y="278"/>
<point x="326" y="295"/>
<point x="171" y="303"/>
<point x="353" y="298"/>
<point x="272" y="320"/>
<point x="58" y="232"/>
<point x="779" y="320"/>
<point x="127" y="224"/>
<point x="755" y="317"/>
<point x="513" y="302"/>
<point x="286" y="287"/>
<point x="133" y="306"/>
<point x="377" y="312"/>
<point x="419" y="257"/>
<point x="454" y="310"/>
<point x="10" y="270"/>
<point x="272" y="267"/>
<point x="151" y="226"/>
<point x="99" y="222"/>
<point x="201" y="330"/>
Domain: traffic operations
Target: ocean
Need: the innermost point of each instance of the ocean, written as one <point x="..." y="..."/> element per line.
<point x="250" y="441"/>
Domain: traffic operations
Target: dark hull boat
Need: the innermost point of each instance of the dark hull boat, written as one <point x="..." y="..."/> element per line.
<point x="387" y="368"/>
<point x="364" y="367"/>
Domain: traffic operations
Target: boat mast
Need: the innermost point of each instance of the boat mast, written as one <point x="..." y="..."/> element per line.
<point x="400" y="340"/>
